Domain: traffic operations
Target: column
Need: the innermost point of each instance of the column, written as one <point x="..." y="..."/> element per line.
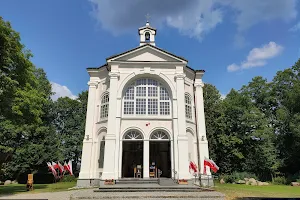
<point x="183" y="164"/>
<point x="118" y="126"/>
<point x="175" y="141"/>
<point x="85" y="170"/>
<point x="110" y="139"/>
<point x="146" y="159"/>
<point x="201" y="129"/>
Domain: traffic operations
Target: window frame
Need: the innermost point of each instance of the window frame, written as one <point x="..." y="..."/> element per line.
<point x="188" y="105"/>
<point x="102" y="105"/>
<point x="154" y="95"/>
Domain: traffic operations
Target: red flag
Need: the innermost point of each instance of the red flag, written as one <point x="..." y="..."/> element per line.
<point x="68" y="167"/>
<point x="193" y="166"/>
<point x="211" y="164"/>
<point x="55" y="166"/>
<point x="51" y="168"/>
<point x="60" y="167"/>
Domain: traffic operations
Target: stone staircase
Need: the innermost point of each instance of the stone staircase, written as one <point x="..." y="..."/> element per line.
<point x="152" y="189"/>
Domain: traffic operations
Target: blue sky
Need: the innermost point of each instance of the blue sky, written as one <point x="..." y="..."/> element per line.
<point x="233" y="40"/>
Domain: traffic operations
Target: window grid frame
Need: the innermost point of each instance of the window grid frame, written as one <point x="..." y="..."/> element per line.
<point x="148" y="83"/>
<point x="188" y="106"/>
<point x="104" y="106"/>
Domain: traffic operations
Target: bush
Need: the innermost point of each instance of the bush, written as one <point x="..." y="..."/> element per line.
<point x="293" y="178"/>
<point x="235" y="176"/>
<point x="69" y="178"/>
<point x="280" y="180"/>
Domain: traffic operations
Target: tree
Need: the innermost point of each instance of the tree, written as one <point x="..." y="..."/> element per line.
<point x="70" y="125"/>
<point x="25" y="124"/>
<point x="212" y="101"/>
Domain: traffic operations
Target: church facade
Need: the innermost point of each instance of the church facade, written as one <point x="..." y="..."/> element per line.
<point x="145" y="116"/>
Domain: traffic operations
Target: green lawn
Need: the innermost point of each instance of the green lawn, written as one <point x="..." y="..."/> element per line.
<point x="233" y="191"/>
<point x="19" y="188"/>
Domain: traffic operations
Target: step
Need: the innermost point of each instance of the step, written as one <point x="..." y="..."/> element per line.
<point x="136" y="181"/>
<point x="83" y="195"/>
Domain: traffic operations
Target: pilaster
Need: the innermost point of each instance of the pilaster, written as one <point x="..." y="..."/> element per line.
<point x="85" y="170"/>
<point x="112" y="127"/>
<point x="182" y="140"/>
<point x="201" y="129"/>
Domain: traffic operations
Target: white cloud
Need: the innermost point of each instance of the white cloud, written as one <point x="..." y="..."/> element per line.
<point x="295" y="28"/>
<point x="252" y="12"/>
<point x="61" y="91"/>
<point x="257" y="57"/>
<point x="194" y="18"/>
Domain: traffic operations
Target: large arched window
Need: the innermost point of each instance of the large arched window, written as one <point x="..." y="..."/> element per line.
<point x="188" y="106"/>
<point x="146" y="97"/>
<point x="104" y="106"/>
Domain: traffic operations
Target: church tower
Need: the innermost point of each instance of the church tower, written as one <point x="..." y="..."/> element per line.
<point x="147" y="34"/>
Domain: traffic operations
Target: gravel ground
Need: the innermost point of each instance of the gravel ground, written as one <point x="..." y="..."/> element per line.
<point x="85" y="194"/>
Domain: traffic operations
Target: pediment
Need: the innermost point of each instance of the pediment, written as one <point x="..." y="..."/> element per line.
<point x="147" y="53"/>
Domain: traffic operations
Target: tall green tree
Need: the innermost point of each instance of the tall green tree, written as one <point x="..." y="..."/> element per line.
<point x="25" y="123"/>
<point x="69" y="120"/>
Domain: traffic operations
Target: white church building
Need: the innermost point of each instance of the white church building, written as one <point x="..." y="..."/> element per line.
<point x="145" y="116"/>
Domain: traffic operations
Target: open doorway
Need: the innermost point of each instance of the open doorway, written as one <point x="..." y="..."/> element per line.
<point x="160" y="155"/>
<point x="132" y="157"/>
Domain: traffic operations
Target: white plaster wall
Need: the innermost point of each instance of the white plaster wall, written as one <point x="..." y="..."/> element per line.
<point x="146" y="130"/>
<point x="164" y="73"/>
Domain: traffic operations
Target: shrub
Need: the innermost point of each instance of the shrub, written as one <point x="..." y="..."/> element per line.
<point x="235" y="176"/>
<point x="69" y="178"/>
<point x="280" y="180"/>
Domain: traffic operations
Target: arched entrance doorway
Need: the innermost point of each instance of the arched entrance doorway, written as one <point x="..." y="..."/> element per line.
<point x="132" y="153"/>
<point x="160" y="152"/>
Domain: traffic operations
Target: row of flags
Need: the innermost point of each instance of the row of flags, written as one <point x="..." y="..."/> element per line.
<point x="58" y="170"/>
<point x="207" y="163"/>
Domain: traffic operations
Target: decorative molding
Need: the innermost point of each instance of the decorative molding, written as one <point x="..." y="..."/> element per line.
<point x="199" y="84"/>
<point x="93" y="84"/>
<point x="114" y="74"/>
<point x="179" y="77"/>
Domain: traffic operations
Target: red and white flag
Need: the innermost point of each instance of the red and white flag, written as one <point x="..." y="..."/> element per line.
<point x="193" y="167"/>
<point x="68" y="167"/>
<point x="60" y="167"/>
<point x="211" y="164"/>
<point x="55" y="166"/>
<point x="51" y="168"/>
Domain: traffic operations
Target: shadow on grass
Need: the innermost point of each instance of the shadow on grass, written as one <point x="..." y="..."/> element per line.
<point x="16" y="188"/>
<point x="265" y="198"/>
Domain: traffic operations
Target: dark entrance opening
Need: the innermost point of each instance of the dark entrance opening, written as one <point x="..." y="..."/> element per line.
<point x="160" y="154"/>
<point x="132" y="156"/>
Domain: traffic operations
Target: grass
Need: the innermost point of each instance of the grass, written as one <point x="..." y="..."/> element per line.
<point x="236" y="191"/>
<point x="20" y="188"/>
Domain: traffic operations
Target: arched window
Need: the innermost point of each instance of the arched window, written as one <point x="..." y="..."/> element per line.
<point x="159" y="135"/>
<point x="104" y="106"/>
<point x="188" y="106"/>
<point x="147" y="37"/>
<point x="133" y="135"/>
<point x="146" y="97"/>
<point x="101" y="154"/>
